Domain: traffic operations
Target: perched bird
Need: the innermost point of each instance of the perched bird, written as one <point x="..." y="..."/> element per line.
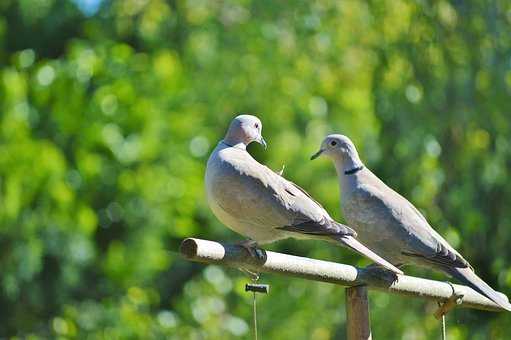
<point x="260" y="204"/>
<point x="390" y="225"/>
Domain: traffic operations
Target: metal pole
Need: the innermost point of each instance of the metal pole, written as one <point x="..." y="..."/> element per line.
<point x="338" y="273"/>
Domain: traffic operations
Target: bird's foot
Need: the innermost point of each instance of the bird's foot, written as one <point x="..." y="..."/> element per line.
<point x="253" y="250"/>
<point x="377" y="272"/>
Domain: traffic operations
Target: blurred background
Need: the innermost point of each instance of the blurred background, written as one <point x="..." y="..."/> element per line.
<point x="109" y="110"/>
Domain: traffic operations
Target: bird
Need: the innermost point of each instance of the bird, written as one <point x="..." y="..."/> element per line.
<point x="390" y="225"/>
<point x="260" y="204"/>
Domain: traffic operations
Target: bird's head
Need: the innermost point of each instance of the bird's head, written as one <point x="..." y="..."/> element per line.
<point x="245" y="129"/>
<point x="337" y="147"/>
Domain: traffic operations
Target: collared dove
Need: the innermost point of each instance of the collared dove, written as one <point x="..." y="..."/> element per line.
<point x="260" y="204"/>
<point x="386" y="222"/>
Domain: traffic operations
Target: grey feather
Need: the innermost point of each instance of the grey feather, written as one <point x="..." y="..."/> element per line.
<point x="324" y="227"/>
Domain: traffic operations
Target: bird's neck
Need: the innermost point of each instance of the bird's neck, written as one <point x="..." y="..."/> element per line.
<point x="348" y="165"/>
<point x="347" y="172"/>
<point x="234" y="142"/>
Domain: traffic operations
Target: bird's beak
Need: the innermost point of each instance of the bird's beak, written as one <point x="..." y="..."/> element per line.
<point x="262" y="142"/>
<point x="317" y="154"/>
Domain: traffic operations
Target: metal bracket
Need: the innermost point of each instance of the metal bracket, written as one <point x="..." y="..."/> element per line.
<point x="446" y="306"/>
<point x="257" y="288"/>
<point x="254" y="286"/>
<point x="253" y="275"/>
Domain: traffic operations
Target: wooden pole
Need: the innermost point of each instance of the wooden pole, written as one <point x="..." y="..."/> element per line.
<point x="338" y="273"/>
<point x="358" y="322"/>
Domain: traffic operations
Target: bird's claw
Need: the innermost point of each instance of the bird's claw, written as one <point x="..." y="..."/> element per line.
<point x="378" y="272"/>
<point x="253" y="250"/>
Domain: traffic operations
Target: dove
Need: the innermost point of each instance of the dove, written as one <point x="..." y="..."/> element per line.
<point x="260" y="204"/>
<point x="390" y="225"/>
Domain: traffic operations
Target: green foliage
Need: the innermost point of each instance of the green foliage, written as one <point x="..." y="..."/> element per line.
<point x="107" y="118"/>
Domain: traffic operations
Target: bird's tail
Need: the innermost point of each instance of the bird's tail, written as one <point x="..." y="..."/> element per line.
<point x="352" y="243"/>
<point x="468" y="277"/>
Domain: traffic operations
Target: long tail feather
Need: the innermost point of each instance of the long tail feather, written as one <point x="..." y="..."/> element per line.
<point x="468" y="277"/>
<point x="352" y="243"/>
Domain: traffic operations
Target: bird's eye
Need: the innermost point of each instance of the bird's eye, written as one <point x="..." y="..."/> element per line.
<point x="256" y="125"/>
<point x="333" y="143"/>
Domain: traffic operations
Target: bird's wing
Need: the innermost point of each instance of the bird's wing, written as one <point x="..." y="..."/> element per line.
<point x="250" y="191"/>
<point x="397" y="212"/>
<point x="324" y="227"/>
